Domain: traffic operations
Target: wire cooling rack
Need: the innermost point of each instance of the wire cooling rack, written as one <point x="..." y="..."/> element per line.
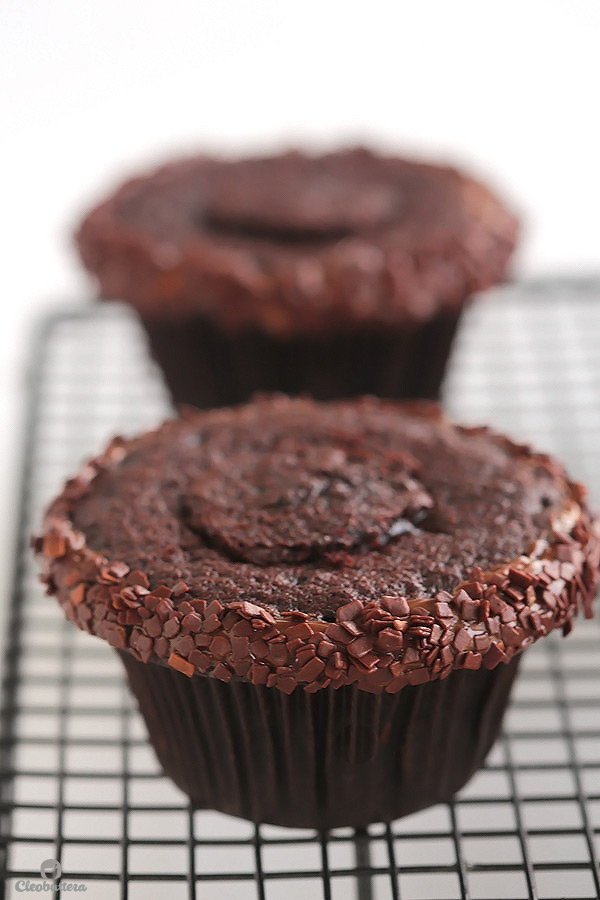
<point x="78" y="781"/>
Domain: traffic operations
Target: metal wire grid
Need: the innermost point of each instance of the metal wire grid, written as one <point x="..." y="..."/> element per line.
<point x="78" y="781"/>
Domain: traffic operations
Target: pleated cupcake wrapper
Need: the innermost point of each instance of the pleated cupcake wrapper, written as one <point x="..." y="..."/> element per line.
<point x="322" y="760"/>
<point x="206" y="367"/>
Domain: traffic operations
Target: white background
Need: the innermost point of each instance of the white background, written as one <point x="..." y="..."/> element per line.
<point x="90" y="91"/>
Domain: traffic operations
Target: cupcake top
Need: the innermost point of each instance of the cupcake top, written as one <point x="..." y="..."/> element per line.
<point x="295" y="244"/>
<point x="293" y="543"/>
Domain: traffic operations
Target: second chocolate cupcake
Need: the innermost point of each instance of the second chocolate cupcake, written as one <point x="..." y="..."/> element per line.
<point x="335" y="275"/>
<point x="320" y="608"/>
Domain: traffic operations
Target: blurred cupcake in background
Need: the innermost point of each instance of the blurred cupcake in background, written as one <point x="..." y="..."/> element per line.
<point x="336" y="275"/>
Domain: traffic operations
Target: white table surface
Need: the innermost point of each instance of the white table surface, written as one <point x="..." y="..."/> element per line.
<point x="89" y="92"/>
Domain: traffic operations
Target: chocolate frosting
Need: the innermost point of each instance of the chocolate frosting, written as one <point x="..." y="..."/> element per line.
<point x="313" y="516"/>
<point x="274" y="500"/>
<point x="298" y="244"/>
<point x="296" y="198"/>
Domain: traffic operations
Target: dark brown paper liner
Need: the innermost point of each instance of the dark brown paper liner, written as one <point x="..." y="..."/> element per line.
<point x="206" y="367"/>
<point x="321" y="760"/>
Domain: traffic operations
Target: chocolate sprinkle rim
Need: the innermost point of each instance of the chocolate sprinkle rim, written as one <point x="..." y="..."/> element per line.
<point x="367" y="279"/>
<point x="377" y="645"/>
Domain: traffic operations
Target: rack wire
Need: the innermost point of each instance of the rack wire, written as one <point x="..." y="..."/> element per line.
<point x="78" y="780"/>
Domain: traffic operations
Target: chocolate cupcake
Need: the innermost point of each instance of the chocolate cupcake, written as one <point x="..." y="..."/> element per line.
<point x="320" y="607"/>
<point x="335" y="275"/>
